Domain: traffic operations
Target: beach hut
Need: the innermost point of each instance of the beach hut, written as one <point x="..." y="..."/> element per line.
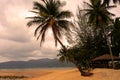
<point x="103" y="61"/>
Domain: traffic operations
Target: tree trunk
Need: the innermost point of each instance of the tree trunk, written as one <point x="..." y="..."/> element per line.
<point x="109" y="46"/>
<point x="81" y="70"/>
<point x="61" y="44"/>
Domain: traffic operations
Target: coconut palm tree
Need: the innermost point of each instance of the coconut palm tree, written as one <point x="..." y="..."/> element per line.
<point x="48" y="14"/>
<point x="100" y="17"/>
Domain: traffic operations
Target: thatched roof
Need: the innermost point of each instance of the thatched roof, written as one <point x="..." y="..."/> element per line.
<point x="105" y="57"/>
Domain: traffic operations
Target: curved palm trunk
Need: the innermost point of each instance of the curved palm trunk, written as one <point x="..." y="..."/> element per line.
<point x="109" y="46"/>
<point x="61" y="44"/>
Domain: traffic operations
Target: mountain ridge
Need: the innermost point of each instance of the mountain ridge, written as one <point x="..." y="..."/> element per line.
<point x="34" y="63"/>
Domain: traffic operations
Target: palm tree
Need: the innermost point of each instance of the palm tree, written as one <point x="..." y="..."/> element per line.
<point x="101" y="17"/>
<point x="48" y="14"/>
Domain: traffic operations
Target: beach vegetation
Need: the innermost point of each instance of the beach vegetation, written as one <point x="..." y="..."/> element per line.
<point x="100" y="17"/>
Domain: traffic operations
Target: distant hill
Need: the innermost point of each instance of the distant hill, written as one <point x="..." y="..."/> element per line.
<point x="40" y="63"/>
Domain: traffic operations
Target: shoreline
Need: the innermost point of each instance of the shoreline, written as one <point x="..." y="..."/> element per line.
<point x="37" y="68"/>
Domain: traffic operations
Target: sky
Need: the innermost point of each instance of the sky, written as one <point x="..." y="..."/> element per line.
<point x="17" y="41"/>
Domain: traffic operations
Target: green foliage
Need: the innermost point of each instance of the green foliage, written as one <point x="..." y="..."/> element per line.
<point x="115" y="36"/>
<point x="88" y="39"/>
<point x="100" y="16"/>
<point x="81" y="49"/>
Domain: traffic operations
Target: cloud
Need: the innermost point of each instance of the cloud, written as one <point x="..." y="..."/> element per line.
<point x="16" y="39"/>
<point x="13" y="21"/>
<point x="12" y="50"/>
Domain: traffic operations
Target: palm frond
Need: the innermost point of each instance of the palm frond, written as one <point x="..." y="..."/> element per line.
<point x="33" y="22"/>
<point x="36" y="12"/>
<point x="41" y="25"/>
<point x="35" y="18"/>
<point x="43" y="32"/>
<point x="52" y="7"/>
<point x="38" y="6"/>
<point x="113" y="6"/>
<point x="95" y="2"/>
<point x="89" y="5"/>
<point x="116" y="1"/>
<point x="58" y="29"/>
<point x="62" y="59"/>
<point x="55" y="35"/>
<point x="38" y="28"/>
<point x="64" y="14"/>
<point x="87" y="10"/>
<point x="65" y="24"/>
<point x="107" y="2"/>
<point x="111" y="14"/>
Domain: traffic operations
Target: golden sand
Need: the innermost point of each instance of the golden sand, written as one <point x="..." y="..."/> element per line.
<point x="63" y="74"/>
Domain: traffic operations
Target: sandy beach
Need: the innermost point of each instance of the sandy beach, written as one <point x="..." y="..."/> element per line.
<point x="63" y="74"/>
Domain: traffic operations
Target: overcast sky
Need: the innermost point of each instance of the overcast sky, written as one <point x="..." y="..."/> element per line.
<point x="16" y="39"/>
